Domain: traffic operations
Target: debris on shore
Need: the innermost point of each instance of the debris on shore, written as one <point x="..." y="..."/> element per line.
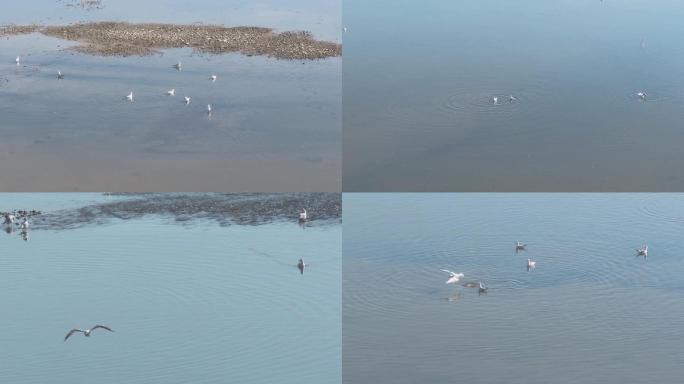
<point x="128" y="39"/>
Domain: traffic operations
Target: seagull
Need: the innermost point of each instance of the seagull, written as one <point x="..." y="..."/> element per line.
<point x="344" y="29"/>
<point x="9" y="218"/>
<point x="86" y="332"/>
<point x="187" y="100"/>
<point x="213" y="77"/>
<point x="520" y="246"/>
<point x="24" y="225"/>
<point x="171" y="92"/>
<point x="303" y="216"/>
<point x="642" y="95"/>
<point x="495" y="100"/>
<point x="209" y="109"/>
<point x="301" y="265"/>
<point x="643" y="251"/>
<point x="178" y="66"/>
<point x="455" y="277"/>
<point x="60" y="76"/>
<point x="17" y="60"/>
<point x="531" y="264"/>
<point x="130" y="96"/>
<point x="481" y="288"/>
<point x="512" y="98"/>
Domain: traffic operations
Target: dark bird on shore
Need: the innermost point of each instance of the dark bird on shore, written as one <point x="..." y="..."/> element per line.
<point x="86" y="332"/>
<point x="301" y="265"/>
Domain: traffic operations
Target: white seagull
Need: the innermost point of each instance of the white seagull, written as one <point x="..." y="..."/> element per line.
<point x="643" y="251"/>
<point x="178" y="66"/>
<point x="303" y="216"/>
<point x="512" y="98"/>
<point x="531" y="264"/>
<point x="209" y="109"/>
<point x="187" y="100"/>
<point x="642" y="95"/>
<point x="213" y="77"/>
<point x="24" y="225"/>
<point x="60" y="76"/>
<point x="17" y="60"/>
<point x="130" y="96"/>
<point x="455" y="277"/>
<point x="481" y="288"/>
<point x="495" y="100"/>
<point x="86" y="332"/>
<point x="344" y="29"/>
<point x="171" y="92"/>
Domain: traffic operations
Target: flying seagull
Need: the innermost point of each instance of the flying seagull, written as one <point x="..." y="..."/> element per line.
<point x="60" y="76"/>
<point x="86" y="332"/>
<point x="301" y="265"/>
<point x="643" y="251"/>
<point x="455" y="277"/>
<point x="171" y="92"/>
<point x="130" y="96"/>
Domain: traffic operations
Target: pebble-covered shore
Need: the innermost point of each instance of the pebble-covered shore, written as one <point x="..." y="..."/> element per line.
<point x="126" y="39"/>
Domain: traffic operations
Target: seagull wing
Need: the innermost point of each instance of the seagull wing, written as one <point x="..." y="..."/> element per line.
<point x="101" y="326"/>
<point x="71" y="333"/>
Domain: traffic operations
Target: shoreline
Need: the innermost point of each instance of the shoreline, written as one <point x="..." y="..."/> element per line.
<point x="141" y="39"/>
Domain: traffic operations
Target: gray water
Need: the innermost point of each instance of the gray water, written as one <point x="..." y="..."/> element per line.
<point x="419" y="78"/>
<point x="590" y="312"/>
<point x="190" y="298"/>
<point x="275" y="126"/>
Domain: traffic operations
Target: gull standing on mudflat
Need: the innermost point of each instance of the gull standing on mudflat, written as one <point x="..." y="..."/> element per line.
<point x="455" y="277"/>
<point x="86" y="332"/>
<point x="171" y="92"/>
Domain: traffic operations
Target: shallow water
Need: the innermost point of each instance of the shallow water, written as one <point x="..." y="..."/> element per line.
<point x="190" y="301"/>
<point x="590" y="312"/>
<point x="419" y="78"/>
<point x="270" y="117"/>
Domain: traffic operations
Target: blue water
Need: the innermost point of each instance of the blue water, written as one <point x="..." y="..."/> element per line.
<point x="189" y="302"/>
<point x="419" y="78"/>
<point x="590" y="312"/>
<point x="275" y="125"/>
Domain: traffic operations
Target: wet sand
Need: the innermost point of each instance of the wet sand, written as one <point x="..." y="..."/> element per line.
<point x="127" y="39"/>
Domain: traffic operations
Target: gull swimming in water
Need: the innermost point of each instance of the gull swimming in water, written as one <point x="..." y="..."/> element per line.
<point x="641" y="95"/>
<point x="455" y="277"/>
<point x="178" y="66"/>
<point x="209" y="109"/>
<point x="495" y="100"/>
<point x="520" y="246"/>
<point x="17" y="60"/>
<point x="481" y="288"/>
<point x="60" y="76"/>
<point x="86" y="332"/>
<point x="24" y="225"/>
<point x="171" y="92"/>
<point x="643" y="251"/>
<point x="187" y="100"/>
<point x="531" y="264"/>
<point x="512" y="98"/>
<point x="130" y="96"/>
<point x="303" y="216"/>
<point x="213" y="78"/>
<point x="301" y="265"/>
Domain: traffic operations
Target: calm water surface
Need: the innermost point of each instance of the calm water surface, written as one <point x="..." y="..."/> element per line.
<point x="591" y="311"/>
<point x="190" y="300"/>
<point x="270" y="117"/>
<point x="419" y="79"/>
